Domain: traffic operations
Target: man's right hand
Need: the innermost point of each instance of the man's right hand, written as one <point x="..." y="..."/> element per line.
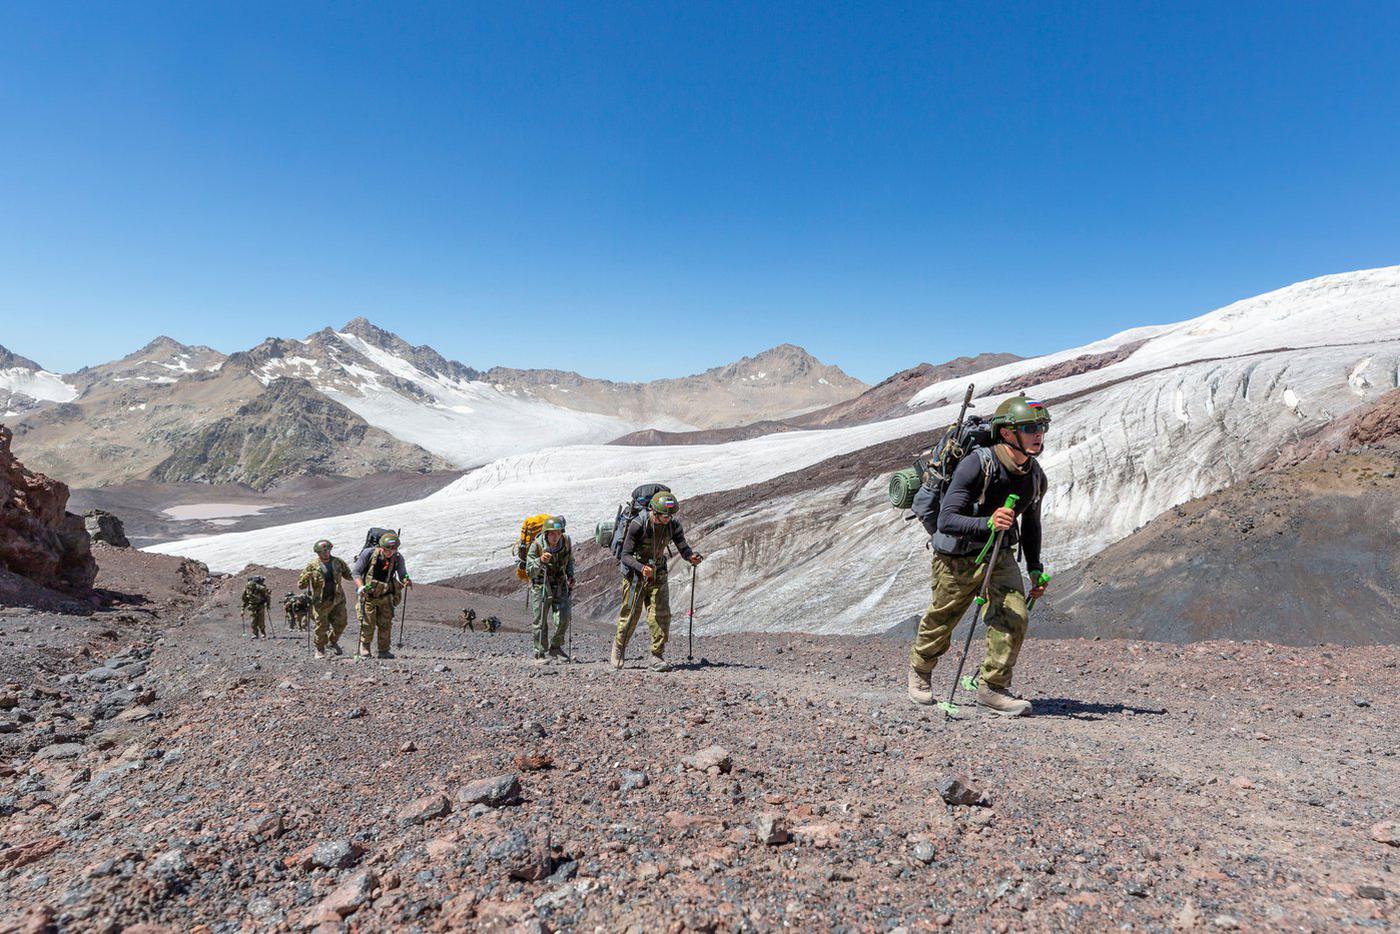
<point x="1003" y="519"/>
<point x="544" y="557"/>
<point x="648" y="572"/>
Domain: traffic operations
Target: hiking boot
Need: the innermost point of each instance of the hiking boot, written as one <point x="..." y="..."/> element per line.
<point x="335" y="647"/>
<point x="386" y="654"/>
<point x="618" y="655"/>
<point x="658" y="663"/>
<point x="1000" y="701"/>
<point x="539" y="658"/>
<point x="556" y="652"/>
<point x="920" y="686"/>
<point x="320" y="653"/>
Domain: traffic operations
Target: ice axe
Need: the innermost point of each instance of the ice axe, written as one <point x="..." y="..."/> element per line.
<point x="994" y="546"/>
<point x="403" y="613"/>
<point x="242" y="622"/>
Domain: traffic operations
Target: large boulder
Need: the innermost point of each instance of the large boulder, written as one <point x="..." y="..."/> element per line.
<point x="102" y="526"/>
<point x="39" y="539"/>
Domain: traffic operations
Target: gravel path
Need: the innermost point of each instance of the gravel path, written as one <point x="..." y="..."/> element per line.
<point x="170" y="772"/>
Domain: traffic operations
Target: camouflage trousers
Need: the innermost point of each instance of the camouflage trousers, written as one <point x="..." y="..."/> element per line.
<point x="558" y="611"/>
<point x="956" y="582"/>
<point x="330" y="619"/>
<point x="376" y="615"/>
<point x="652" y="598"/>
<point x="257" y="619"/>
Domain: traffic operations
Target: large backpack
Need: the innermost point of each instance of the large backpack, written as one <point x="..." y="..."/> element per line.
<point x="920" y="488"/>
<point x="529" y="531"/>
<point x="373" y="535"/>
<point x="610" y="532"/>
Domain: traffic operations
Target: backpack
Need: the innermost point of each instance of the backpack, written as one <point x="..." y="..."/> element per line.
<point x="610" y="533"/>
<point x="529" y="531"/>
<point x="373" y="535"/>
<point x="920" y="488"/>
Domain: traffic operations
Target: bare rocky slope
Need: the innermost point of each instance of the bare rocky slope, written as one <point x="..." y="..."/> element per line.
<point x="1304" y="553"/>
<point x="157" y="769"/>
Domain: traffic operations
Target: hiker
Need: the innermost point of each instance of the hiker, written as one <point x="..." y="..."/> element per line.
<point x="257" y="600"/>
<point x="301" y="610"/>
<point x="645" y="549"/>
<point x="469" y="619"/>
<point x="289" y="610"/>
<point x="971" y="512"/>
<point x="321" y="578"/>
<point x="380" y="580"/>
<point x="550" y="566"/>
<point x="493" y="623"/>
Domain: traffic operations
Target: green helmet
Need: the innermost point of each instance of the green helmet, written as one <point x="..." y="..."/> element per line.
<point x="554" y="524"/>
<point x="665" y="504"/>
<point x="1018" y="410"/>
<point x="323" y="545"/>
<point x="389" y="541"/>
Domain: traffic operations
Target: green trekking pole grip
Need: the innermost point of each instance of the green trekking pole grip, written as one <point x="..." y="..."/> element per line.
<point x="1011" y="500"/>
<point x="1041" y="580"/>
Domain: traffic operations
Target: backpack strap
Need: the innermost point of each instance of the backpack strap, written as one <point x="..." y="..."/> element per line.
<point x="987" y="459"/>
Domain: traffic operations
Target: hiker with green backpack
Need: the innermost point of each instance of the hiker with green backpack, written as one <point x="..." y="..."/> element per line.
<point x="549" y="564"/>
<point x="987" y="488"/>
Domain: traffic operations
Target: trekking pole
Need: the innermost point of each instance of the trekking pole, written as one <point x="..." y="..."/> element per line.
<point x="1041" y="580"/>
<point x="242" y="622"/>
<point x="948" y="707"/>
<point x="306" y="620"/>
<point x="690" y="620"/>
<point x="403" y="614"/>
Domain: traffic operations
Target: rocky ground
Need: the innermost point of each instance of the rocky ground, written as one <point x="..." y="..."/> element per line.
<point x="155" y="768"/>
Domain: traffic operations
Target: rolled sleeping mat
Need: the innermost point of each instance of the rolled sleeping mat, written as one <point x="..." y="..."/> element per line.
<point x="603" y="532"/>
<point x="903" y="485"/>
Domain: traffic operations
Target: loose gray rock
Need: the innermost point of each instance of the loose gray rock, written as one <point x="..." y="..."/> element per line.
<point x="632" y="780"/>
<point x="957" y="791"/>
<point x="170" y="864"/>
<point x="495" y="791"/>
<point x="924" y="852"/>
<point x="334" y="854"/>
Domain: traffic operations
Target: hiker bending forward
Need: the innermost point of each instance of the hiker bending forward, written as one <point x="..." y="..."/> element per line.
<point x="550" y="566"/>
<point x="380" y="579"/>
<point x="972" y="510"/>
<point x="645" y="548"/>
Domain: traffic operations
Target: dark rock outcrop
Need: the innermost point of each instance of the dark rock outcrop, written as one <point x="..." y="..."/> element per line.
<point x="102" y="526"/>
<point x="39" y="539"/>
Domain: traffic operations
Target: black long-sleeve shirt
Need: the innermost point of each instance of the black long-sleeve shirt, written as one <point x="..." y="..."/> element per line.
<point x="645" y="543"/>
<point x="965" y="508"/>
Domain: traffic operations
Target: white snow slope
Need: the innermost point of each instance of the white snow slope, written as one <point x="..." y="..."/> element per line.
<point x="1197" y="405"/>
<point x="468" y="422"/>
<point x="36" y="384"/>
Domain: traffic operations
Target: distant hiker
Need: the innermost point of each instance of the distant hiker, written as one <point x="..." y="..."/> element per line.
<point x="645" y="550"/>
<point x="380" y="580"/>
<point x="469" y="619"/>
<point x="322" y="579"/>
<point x="301" y="610"/>
<point x="256" y="602"/>
<point x="549" y="564"/>
<point x="287" y="600"/>
<point x="969" y="514"/>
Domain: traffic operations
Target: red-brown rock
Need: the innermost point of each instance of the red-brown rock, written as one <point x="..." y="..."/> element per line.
<point x="39" y="539"/>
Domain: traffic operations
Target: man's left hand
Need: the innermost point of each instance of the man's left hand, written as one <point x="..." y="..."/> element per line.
<point x="696" y="559"/>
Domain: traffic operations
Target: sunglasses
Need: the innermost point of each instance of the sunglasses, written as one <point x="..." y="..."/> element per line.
<point x="1032" y="428"/>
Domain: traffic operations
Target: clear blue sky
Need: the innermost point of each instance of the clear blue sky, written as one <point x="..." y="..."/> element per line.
<point x="538" y="184"/>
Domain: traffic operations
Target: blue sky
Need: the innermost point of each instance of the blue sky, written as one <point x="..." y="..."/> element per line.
<point x="643" y="190"/>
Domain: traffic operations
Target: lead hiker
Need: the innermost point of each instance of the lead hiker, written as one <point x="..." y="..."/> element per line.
<point x="549" y="564"/>
<point x="321" y="578"/>
<point x="970" y="513"/>
<point x="644" y="553"/>
<point x="469" y="619"/>
<point x="380" y="580"/>
<point x="257" y="600"/>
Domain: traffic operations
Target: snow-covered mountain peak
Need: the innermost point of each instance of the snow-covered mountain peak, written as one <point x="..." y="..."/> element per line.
<point x="24" y="384"/>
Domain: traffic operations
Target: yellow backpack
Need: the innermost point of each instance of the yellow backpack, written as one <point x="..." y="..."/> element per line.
<point x="529" y="529"/>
